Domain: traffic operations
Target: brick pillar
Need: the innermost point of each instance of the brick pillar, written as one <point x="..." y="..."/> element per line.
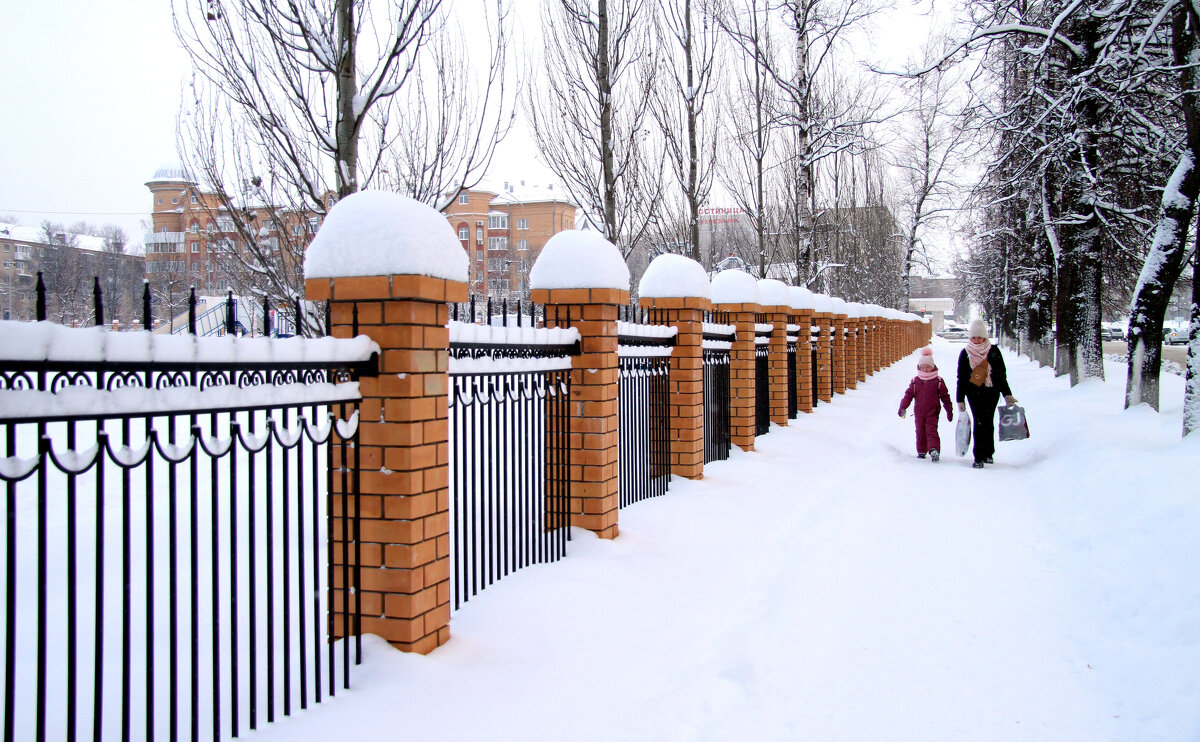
<point x="837" y="338"/>
<point x="863" y="360"/>
<point x="777" y="315"/>
<point x="741" y="374"/>
<point x="686" y="381"/>
<point x="823" y="320"/>
<point x="593" y="406"/>
<point x="873" y="344"/>
<point x="851" y="353"/>
<point x="804" y="386"/>
<point x="403" y="454"/>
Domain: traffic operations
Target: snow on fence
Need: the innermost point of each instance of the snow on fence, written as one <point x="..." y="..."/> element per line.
<point x="509" y="449"/>
<point x="644" y="351"/>
<point x="167" y="564"/>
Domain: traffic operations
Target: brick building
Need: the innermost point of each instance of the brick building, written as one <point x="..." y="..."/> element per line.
<point x="502" y="230"/>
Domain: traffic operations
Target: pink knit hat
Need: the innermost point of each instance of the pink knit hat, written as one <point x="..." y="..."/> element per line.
<point x="926" y="358"/>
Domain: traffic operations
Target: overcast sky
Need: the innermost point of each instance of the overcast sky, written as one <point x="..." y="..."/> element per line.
<point x="89" y="93"/>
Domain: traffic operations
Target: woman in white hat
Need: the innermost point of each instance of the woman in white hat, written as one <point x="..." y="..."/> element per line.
<point x="982" y="380"/>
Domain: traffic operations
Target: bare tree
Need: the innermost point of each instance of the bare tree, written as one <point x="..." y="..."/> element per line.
<point x="589" y="118"/>
<point x="930" y="156"/>
<point x="684" y="109"/>
<point x="296" y="105"/>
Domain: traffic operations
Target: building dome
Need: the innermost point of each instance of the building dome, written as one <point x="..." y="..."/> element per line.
<point x="171" y="172"/>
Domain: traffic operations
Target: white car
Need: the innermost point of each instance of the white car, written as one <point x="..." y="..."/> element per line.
<point x="1175" y="334"/>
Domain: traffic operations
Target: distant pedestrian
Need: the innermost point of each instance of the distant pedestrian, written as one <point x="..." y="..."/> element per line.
<point x="926" y="390"/>
<point x="982" y="380"/>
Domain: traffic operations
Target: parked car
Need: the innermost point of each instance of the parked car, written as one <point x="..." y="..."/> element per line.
<point x="1112" y="331"/>
<point x="1175" y="334"/>
<point x="954" y="333"/>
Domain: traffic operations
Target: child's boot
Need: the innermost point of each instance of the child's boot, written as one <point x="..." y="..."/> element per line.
<point x="935" y="455"/>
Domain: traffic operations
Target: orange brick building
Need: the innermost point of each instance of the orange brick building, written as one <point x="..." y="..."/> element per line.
<point x="502" y="232"/>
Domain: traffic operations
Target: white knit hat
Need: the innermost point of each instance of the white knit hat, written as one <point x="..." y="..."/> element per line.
<point x="979" y="329"/>
<point x="926" y="357"/>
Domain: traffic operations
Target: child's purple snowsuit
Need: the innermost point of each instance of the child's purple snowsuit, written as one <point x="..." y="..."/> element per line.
<point x="925" y="411"/>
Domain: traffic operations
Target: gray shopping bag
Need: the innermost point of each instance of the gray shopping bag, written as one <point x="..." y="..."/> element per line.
<point x="1013" y="425"/>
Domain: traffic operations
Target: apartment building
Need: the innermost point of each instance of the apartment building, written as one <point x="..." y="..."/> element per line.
<point x="502" y="230"/>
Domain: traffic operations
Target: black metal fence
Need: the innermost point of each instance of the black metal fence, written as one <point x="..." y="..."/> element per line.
<point x="816" y="333"/>
<point x="643" y="408"/>
<point x="166" y="554"/>
<point x="509" y="454"/>
<point x="793" y="406"/>
<point x="762" y="379"/>
<point x="717" y="423"/>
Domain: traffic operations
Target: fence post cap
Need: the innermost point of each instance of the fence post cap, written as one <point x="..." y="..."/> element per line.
<point x="672" y="276"/>
<point x="735" y="286"/>
<point x="575" y="259"/>
<point x="379" y="233"/>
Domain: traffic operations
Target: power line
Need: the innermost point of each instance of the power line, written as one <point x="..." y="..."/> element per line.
<point x="74" y="213"/>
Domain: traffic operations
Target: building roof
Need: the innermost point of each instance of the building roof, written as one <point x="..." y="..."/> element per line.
<point x="171" y="173"/>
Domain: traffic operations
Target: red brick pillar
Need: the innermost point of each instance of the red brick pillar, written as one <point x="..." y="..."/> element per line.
<point x="593" y="479"/>
<point x="873" y="334"/>
<point x="823" y="320"/>
<point x="597" y="284"/>
<point x="404" y="498"/>
<point x="686" y="380"/>
<point x="837" y="337"/>
<point x="736" y="293"/>
<point x="774" y="299"/>
<point x="851" y="352"/>
<point x="802" y="318"/>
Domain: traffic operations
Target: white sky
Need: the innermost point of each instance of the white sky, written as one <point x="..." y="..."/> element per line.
<point x="90" y="93"/>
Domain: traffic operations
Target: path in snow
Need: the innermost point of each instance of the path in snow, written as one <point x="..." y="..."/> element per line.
<point x="828" y="586"/>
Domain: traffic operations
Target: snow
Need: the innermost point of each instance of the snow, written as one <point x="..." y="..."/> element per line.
<point x="466" y="366"/>
<point x="773" y="293"/>
<point x="672" y="276"/>
<point x="576" y="259"/>
<point x="831" y="586"/>
<point x="643" y="351"/>
<point x="378" y="233"/>
<point x="800" y="297"/>
<point x="464" y="332"/>
<point x="734" y="286"/>
<point x="630" y="329"/>
<point x="47" y="341"/>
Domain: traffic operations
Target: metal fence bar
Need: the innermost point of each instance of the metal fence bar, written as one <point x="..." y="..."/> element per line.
<point x="793" y="404"/>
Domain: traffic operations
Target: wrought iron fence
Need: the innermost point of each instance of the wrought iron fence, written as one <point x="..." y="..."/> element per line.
<point x="509" y="450"/>
<point x="167" y="545"/>
<point x="717" y="434"/>
<point x="816" y="392"/>
<point x="792" y="403"/>
<point x="762" y="377"/>
<point x="643" y="410"/>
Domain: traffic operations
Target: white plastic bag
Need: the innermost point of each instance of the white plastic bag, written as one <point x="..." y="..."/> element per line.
<point x="962" y="433"/>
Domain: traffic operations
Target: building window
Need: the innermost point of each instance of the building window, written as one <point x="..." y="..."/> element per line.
<point x="479" y="234"/>
<point x="195" y="247"/>
<point x="464" y="232"/>
<point x="297" y="230"/>
<point x="194" y="199"/>
<point x="498" y="221"/>
<point x="522" y="245"/>
<point x="497" y="243"/>
<point x="496" y="265"/>
<point x="522" y="224"/>
<point x="463" y="198"/>
<point x="174" y="200"/>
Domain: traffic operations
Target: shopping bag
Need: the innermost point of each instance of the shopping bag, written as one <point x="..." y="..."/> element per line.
<point x="962" y="434"/>
<point x="1013" y="425"/>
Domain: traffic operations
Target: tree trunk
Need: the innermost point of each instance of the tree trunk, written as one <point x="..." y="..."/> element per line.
<point x="347" y="87"/>
<point x="1165" y="260"/>
<point x="604" y="89"/>
<point x="1191" y="388"/>
<point x="693" y="132"/>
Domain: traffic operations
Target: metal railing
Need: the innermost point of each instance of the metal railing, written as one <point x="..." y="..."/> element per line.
<point x="509" y="457"/>
<point x="816" y="392"/>
<point x="717" y="419"/>
<point x="793" y="406"/>
<point x="167" y="559"/>
<point x="643" y="409"/>
<point x="762" y="379"/>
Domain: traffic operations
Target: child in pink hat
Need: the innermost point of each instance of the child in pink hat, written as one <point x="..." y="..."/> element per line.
<point x="926" y="390"/>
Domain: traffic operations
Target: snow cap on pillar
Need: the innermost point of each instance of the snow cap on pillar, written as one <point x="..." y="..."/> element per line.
<point x="800" y="297"/>
<point x="838" y="306"/>
<point x="773" y="293"/>
<point x="575" y="259"/>
<point x="671" y="276"/>
<point x="734" y="286"/>
<point x="380" y="233"/>
<point x="822" y="303"/>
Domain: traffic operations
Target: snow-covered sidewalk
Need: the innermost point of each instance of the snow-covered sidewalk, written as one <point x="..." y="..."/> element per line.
<point x="831" y="586"/>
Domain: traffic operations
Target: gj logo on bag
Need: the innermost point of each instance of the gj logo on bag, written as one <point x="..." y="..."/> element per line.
<point x="1013" y="426"/>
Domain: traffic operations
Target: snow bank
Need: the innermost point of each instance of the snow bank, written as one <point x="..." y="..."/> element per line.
<point x="378" y="233"/>
<point x="674" y="276"/>
<point x="576" y="259"/>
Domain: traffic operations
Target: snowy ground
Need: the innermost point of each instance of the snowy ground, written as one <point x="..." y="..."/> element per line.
<point x="831" y="586"/>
